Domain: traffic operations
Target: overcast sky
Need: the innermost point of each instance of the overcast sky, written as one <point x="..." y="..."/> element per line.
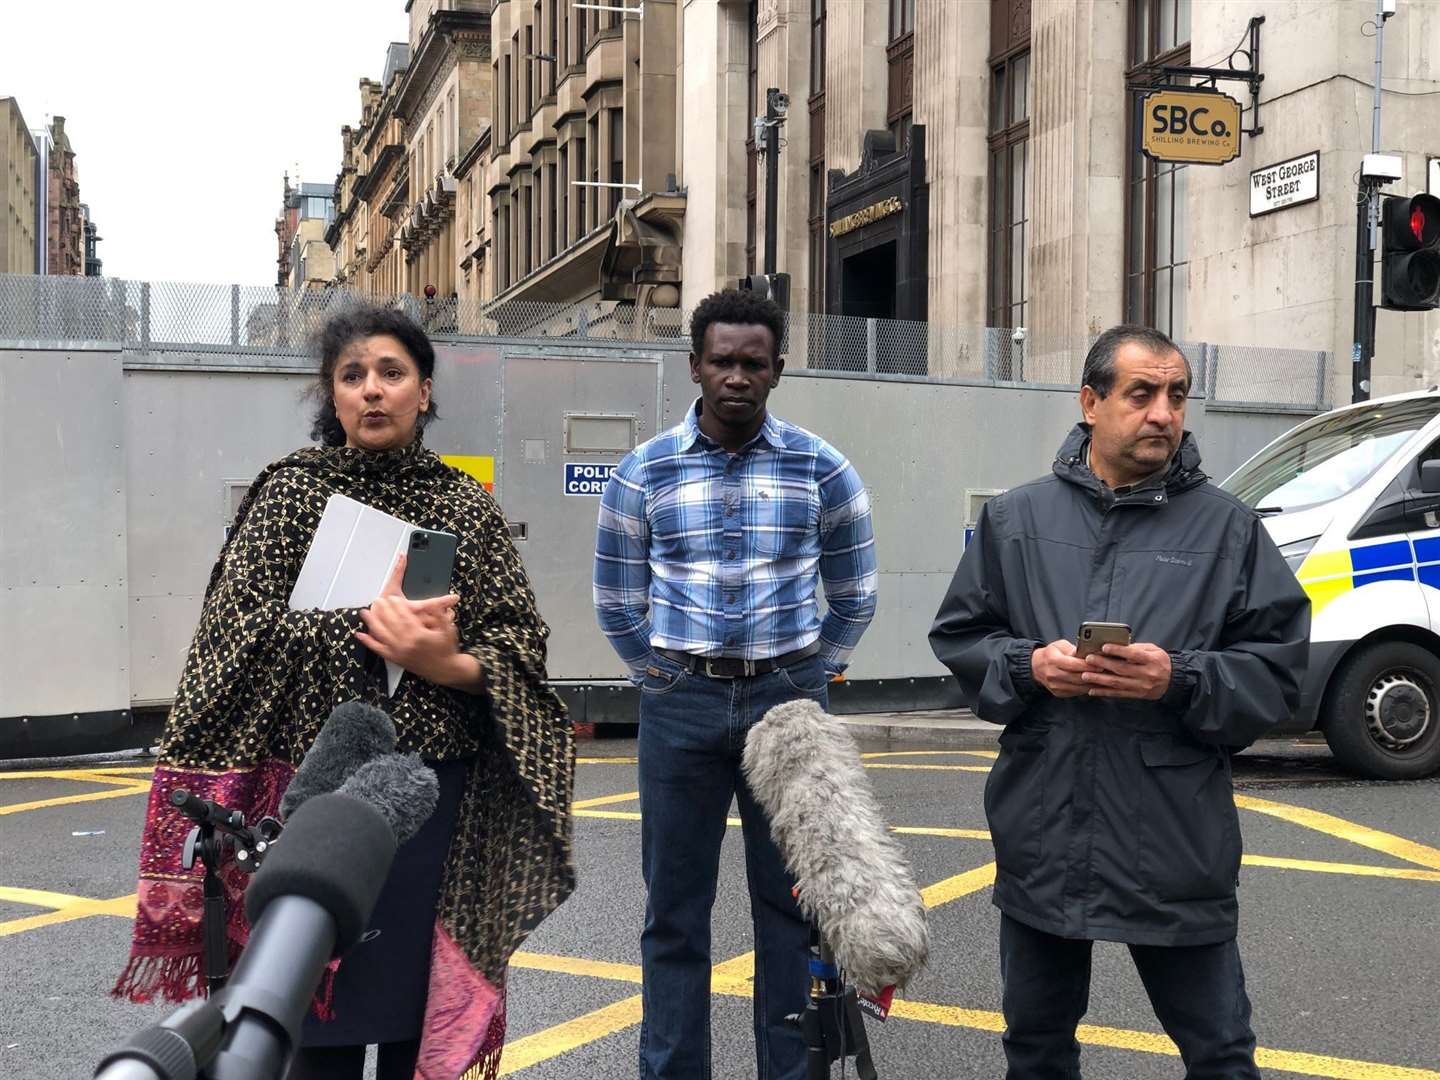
<point x="185" y="116"/>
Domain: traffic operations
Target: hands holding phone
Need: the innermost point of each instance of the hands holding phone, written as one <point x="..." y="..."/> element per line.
<point x="419" y="635"/>
<point x="1139" y="672"/>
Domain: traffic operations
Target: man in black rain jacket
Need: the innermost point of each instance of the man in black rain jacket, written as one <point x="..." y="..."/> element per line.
<point x="1110" y="805"/>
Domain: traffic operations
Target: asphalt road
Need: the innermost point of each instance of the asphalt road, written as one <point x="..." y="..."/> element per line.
<point x="1337" y="928"/>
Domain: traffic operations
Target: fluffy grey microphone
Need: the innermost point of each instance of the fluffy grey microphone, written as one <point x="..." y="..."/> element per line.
<point x="353" y="734"/>
<point x="400" y="787"/>
<point x="853" y="880"/>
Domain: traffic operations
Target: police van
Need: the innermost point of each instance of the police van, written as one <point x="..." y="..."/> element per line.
<point x="1352" y="498"/>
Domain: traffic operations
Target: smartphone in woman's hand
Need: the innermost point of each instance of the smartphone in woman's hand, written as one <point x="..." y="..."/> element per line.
<point x="429" y="562"/>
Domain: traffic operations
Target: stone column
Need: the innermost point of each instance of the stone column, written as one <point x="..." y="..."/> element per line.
<point x="650" y="103"/>
<point x="857" y="74"/>
<point x="952" y="94"/>
<point x="713" y="119"/>
<point x="1077" y="163"/>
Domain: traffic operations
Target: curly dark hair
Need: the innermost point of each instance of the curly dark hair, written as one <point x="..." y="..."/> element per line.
<point x="736" y="307"/>
<point x="351" y="325"/>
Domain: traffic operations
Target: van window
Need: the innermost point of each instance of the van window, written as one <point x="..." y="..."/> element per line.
<point x="1329" y="456"/>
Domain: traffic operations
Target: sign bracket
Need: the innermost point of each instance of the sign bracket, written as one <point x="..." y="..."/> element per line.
<point x="1164" y="76"/>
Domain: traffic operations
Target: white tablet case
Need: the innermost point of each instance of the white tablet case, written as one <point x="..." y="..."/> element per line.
<point x="352" y="553"/>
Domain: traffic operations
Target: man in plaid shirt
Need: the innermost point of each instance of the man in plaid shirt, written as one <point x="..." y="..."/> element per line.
<point x="713" y="537"/>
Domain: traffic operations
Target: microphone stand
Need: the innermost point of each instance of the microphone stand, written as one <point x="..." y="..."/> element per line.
<point x="832" y="1025"/>
<point x="217" y="830"/>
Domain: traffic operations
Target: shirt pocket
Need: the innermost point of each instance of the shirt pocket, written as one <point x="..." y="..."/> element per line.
<point x="784" y="520"/>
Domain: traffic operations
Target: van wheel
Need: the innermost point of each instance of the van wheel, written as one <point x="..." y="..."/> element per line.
<point x="1382" y="715"/>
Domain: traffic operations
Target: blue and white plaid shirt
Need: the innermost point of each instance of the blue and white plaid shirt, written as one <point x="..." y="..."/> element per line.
<point x="718" y="554"/>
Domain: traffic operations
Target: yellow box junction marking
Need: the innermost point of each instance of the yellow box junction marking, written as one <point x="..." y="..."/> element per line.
<point x="1388" y="843"/>
<point x="67" y="800"/>
<point x="731" y="978"/>
<point x="65" y="908"/>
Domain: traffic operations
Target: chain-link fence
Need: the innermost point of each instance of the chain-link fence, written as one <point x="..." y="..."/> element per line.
<point x="181" y="317"/>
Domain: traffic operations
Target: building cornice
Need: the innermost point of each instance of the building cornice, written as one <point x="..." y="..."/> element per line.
<point x="369" y="184"/>
<point x="449" y="36"/>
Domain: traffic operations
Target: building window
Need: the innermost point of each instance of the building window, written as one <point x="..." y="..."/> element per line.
<point x="817" y="156"/>
<point x="502" y="245"/>
<point x="594" y="188"/>
<point x="552" y="209"/>
<point x="902" y="18"/>
<point x="530" y="82"/>
<point x="537" y="217"/>
<point x="1008" y="279"/>
<point x="507" y="109"/>
<point x="900" y="96"/>
<point x="454" y="130"/>
<point x="581" y="202"/>
<point x="617" y="158"/>
<point x="817" y="46"/>
<point x="562" y="196"/>
<point x="581" y="20"/>
<point x="817" y="238"/>
<point x="552" y="24"/>
<point x="1157" y="227"/>
<point x="497" y="110"/>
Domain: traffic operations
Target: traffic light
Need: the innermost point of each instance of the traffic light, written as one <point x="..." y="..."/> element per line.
<point x="1410" y="253"/>
<point x="776" y="287"/>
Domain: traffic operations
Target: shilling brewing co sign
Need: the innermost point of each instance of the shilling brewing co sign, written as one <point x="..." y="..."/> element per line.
<point x="1194" y="127"/>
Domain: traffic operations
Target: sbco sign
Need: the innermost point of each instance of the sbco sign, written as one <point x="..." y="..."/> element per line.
<point x="1197" y="127"/>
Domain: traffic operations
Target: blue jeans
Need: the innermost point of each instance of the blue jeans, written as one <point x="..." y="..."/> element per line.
<point x="1197" y="991"/>
<point x="692" y="734"/>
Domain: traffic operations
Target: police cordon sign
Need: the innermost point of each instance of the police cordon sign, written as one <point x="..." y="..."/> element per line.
<point x="585" y="478"/>
<point x="1286" y="183"/>
<point x="1196" y="127"/>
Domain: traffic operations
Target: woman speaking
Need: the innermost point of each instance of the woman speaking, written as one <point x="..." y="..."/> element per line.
<point x="427" y="982"/>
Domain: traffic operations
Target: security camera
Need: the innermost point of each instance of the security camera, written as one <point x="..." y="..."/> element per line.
<point x="1018" y="335"/>
<point x="779" y="102"/>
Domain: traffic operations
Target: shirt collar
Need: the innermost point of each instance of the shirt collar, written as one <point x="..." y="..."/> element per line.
<point x="771" y="430"/>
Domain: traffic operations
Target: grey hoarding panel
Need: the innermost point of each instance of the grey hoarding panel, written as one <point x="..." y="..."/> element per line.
<point x="62" y="533"/>
<point x="193" y="436"/>
<point x="540" y="392"/>
<point x="133" y="478"/>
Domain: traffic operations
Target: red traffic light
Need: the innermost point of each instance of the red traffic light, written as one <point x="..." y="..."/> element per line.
<point x="1410" y="253"/>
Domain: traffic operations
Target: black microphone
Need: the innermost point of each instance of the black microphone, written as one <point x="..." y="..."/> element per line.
<point x="853" y="880"/>
<point x="353" y="734"/>
<point x="308" y="903"/>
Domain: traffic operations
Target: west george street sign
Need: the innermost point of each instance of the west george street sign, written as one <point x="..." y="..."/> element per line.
<point x="1195" y="127"/>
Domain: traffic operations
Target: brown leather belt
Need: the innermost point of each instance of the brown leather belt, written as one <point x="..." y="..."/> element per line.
<point x="734" y="667"/>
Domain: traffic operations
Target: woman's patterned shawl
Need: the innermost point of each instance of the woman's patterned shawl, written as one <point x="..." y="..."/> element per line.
<point x="260" y="680"/>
